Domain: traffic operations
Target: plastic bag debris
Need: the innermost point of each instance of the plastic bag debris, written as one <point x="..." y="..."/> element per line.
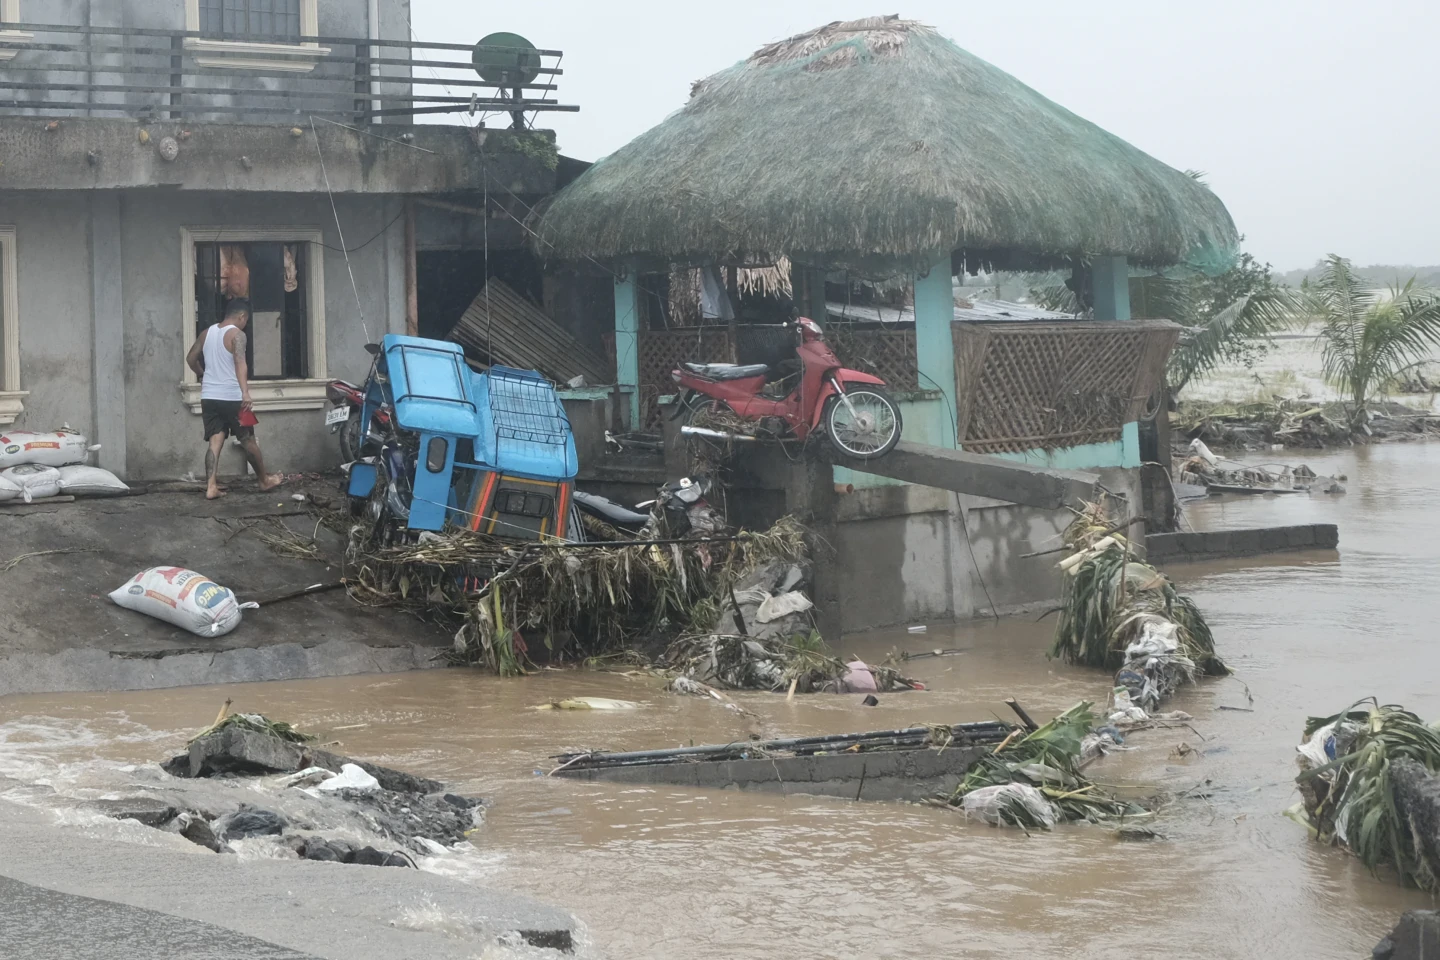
<point x="79" y="480"/>
<point x="350" y="777"/>
<point x="183" y="598"/>
<point x="773" y="608"/>
<point x="54" y="449"/>
<point x="36" y="482"/>
<point x="998" y="805"/>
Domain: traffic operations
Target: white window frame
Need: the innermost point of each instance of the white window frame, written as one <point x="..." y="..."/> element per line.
<point x="10" y="13"/>
<point x="11" y="396"/>
<point x="293" y="394"/>
<point x="240" y="55"/>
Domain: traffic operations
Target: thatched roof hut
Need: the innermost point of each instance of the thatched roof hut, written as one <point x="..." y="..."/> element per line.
<point x="879" y="142"/>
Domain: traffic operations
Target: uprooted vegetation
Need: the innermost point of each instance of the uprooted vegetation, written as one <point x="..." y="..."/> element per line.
<point x="1368" y="783"/>
<point x="1119" y="613"/>
<point x="579" y="600"/>
<point x="1306" y="423"/>
<point x="1036" y="781"/>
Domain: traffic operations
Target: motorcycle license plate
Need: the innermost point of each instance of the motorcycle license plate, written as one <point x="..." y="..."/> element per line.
<point x="336" y="415"/>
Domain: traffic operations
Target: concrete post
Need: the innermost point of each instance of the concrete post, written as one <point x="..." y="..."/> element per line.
<point x="934" y="343"/>
<point x="108" y="318"/>
<point x="1110" y="286"/>
<point x="627" y="342"/>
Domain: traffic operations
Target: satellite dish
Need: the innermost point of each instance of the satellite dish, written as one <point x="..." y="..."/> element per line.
<point x="506" y="60"/>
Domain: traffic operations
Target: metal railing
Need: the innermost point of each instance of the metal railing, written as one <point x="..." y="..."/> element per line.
<point x="67" y="70"/>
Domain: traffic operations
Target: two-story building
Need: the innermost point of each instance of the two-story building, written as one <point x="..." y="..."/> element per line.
<point x="161" y="157"/>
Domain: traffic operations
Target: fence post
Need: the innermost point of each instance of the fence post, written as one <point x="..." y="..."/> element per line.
<point x="627" y="341"/>
<point x="934" y="341"/>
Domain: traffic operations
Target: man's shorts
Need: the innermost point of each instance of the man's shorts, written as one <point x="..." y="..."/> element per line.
<point x="223" y="417"/>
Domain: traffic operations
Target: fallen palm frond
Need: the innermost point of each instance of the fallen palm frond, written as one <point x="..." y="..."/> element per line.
<point x="1349" y="792"/>
<point x="1115" y="607"/>
<point x="596" y="599"/>
<point x="1035" y="781"/>
<point x="287" y="543"/>
<point x="257" y="723"/>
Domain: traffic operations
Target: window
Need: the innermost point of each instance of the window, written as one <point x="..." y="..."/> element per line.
<point x="271" y="277"/>
<point x="286" y="20"/>
<point x="269" y="18"/>
<point x="10" y="13"/>
<point x="11" y="396"/>
<point x="280" y="273"/>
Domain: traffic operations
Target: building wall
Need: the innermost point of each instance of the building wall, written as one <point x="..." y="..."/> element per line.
<point x="162" y="438"/>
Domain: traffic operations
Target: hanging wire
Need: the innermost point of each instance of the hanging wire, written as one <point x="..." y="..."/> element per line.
<point x="341" y="231"/>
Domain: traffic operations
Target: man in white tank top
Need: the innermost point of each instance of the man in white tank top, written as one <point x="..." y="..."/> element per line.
<point x="218" y="359"/>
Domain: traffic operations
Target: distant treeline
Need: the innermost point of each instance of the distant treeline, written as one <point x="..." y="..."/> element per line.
<point x="1380" y="274"/>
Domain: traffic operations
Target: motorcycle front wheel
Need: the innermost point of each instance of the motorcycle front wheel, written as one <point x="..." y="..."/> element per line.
<point x="866" y="427"/>
<point x="350" y="438"/>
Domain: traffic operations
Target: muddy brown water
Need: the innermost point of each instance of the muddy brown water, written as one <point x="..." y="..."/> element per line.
<point x="665" y="872"/>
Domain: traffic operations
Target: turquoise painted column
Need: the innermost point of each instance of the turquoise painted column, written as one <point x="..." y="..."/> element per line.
<point x="627" y="342"/>
<point x="1110" y="286"/>
<point x="934" y="342"/>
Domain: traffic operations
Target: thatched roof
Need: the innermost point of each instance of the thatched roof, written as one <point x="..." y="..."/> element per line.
<point x="878" y="140"/>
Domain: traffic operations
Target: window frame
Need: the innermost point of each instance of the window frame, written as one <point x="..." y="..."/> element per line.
<point x="306" y="393"/>
<point x="11" y="396"/>
<point x="242" y="55"/>
<point x="10" y="13"/>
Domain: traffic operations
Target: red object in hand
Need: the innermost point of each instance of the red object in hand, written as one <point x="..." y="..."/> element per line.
<point x="248" y="418"/>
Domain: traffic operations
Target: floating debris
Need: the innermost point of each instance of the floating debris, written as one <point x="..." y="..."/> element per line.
<point x="1367" y="782"/>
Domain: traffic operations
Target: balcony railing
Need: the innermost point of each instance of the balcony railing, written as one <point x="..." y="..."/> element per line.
<point x="64" y="70"/>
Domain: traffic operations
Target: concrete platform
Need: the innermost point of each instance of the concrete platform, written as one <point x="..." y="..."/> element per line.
<point x="1223" y="544"/>
<point x="59" y="630"/>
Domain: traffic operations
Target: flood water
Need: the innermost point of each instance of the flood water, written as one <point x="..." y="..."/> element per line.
<point x="664" y="872"/>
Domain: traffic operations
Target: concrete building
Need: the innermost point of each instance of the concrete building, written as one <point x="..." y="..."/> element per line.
<point x="159" y="157"/>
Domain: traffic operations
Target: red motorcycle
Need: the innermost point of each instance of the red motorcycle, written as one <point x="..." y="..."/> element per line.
<point x="859" y="418"/>
<point x="343" y="417"/>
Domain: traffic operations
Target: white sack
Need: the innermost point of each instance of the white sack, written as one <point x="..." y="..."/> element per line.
<point x="35" y="481"/>
<point x="81" y="481"/>
<point x="350" y="777"/>
<point x="54" y="449"/>
<point x="8" y="490"/>
<point x="182" y="597"/>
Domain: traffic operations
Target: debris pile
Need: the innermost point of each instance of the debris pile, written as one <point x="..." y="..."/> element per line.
<point x="412" y="812"/>
<point x="1299" y="422"/>
<point x="580" y="600"/>
<point x="1202" y="468"/>
<point x="1035" y="782"/>
<point x="1370" y="781"/>
<point x="1119" y="613"/>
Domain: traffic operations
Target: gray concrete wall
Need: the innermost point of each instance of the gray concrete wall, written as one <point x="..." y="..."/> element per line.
<point x="904" y="555"/>
<point x="161" y="436"/>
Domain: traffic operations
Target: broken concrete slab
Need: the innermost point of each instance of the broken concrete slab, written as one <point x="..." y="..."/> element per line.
<point x="979" y="475"/>
<point x="249" y="752"/>
<point x="146" y="810"/>
<point x="1221" y="544"/>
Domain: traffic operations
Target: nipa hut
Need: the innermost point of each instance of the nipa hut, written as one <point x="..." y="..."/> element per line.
<point x="879" y="147"/>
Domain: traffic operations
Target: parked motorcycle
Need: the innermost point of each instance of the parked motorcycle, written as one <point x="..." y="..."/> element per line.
<point x="854" y="411"/>
<point x="343" y="418"/>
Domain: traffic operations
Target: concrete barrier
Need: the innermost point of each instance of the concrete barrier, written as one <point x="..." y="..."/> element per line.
<point x="1220" y="544"/>
<point x="909" y="775"/>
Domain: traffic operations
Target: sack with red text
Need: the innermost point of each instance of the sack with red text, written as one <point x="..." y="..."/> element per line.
<point x="182" y="597"/>
<point x="56" y="449"/>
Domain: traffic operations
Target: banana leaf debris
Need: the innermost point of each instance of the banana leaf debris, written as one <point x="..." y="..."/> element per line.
<point x="1119" y="613"/>
<point x="1036" y="781"/>
<point x="1370" y="782"/>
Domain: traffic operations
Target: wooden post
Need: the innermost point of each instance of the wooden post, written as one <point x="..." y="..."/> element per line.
<point x="412" y="281"/>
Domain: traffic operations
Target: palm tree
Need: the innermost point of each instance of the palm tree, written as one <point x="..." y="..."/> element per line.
<point x="1369" y="338"/>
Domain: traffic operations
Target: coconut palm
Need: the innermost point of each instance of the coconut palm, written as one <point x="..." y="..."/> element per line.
<point x="1369" y="336"/>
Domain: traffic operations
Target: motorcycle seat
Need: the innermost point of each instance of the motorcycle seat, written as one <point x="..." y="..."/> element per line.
<point x="727" y="371"/>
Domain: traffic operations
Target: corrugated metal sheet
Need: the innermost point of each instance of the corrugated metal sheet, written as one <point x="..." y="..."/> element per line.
<point x="974" y="311"/>
<point x="517" y="333"/>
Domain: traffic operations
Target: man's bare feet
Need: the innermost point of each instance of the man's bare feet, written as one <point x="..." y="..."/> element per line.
<point x="271" y="482"/>
<point x="214" y="494"/>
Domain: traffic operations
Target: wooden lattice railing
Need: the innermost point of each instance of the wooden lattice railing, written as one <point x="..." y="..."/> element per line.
<point x="1027" y="386"/>
<point x="888" y="354"/>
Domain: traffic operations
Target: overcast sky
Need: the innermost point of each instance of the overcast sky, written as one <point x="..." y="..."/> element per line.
<point x="1314" y="120"/>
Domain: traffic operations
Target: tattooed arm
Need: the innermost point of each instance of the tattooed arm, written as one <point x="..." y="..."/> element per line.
<point x="194" y="359"/>
<point x="242" y="372"/>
